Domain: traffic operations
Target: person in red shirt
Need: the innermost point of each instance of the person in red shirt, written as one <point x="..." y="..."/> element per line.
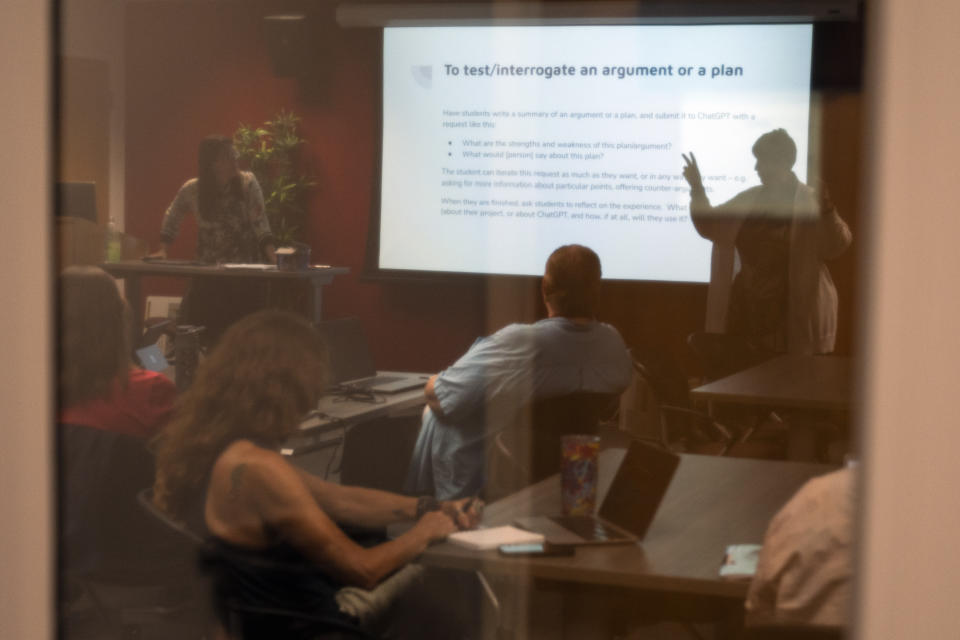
<point x="98" y="384"/>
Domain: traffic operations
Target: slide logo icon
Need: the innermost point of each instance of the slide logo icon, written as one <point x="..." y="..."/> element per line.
<point x="423" y="74"/>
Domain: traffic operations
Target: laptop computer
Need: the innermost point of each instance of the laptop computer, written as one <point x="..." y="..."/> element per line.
<point x="351" y="366"/>
<point x="152" y="359"/>
<point x="148" y="352"/>
<point x="628" y="508"/>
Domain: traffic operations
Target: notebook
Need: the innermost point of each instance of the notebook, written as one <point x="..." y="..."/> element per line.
<point x="493" y="537"/>
<point x="628" y="509"/>
<point x="351" y="365"/>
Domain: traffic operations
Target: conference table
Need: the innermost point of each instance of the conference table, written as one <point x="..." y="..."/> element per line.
<point x="337" y="410"/>
<point x="327" y="426"/>
<point x="711" y="503"/>
<point x="337" y="413"/>
<point x="131" y="271"/>
<point x="788" y="382"/>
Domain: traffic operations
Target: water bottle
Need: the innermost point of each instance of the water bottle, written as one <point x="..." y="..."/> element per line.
<point x="114" y="245"/>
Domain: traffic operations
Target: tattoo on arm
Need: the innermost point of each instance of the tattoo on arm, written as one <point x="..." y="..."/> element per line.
<point x="236" y="478"/>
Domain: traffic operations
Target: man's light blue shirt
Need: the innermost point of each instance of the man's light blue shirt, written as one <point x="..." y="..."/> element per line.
<point x="498" y="376"/>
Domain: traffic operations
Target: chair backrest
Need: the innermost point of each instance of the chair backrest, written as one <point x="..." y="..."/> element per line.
<point x="666" y="382"/>
<point x="272" y="594"/>
<point x="253" y="595"/>
<point x="661" y="392"/>
<point x="681" y="427"/>
<point x="102" y="531"/>
<point x="174" y="527"/>
<point x="113" y="552"/>
<point x="529" y="450"/>
<point x="553" y="418"/>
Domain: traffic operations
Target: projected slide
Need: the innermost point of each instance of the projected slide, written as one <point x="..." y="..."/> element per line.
<point x="502" y="143"/>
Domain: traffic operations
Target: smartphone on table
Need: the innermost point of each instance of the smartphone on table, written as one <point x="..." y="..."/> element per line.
<point x="536" y="549"/>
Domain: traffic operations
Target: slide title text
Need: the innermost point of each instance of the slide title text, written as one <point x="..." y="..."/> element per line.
<point x="620" y="72"/>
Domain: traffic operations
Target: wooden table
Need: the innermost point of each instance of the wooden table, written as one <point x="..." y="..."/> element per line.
<point x="712" y="502"/>
<point x="788" y="382"/>
<point x="132" y="270"/>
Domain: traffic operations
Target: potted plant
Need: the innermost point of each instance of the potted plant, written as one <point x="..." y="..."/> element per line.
<point x="272" y="153"/>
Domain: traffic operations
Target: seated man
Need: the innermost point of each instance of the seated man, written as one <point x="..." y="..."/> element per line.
<point x="567" y="352"/>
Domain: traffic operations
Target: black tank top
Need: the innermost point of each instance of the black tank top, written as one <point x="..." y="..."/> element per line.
<point x="277" y="577"/>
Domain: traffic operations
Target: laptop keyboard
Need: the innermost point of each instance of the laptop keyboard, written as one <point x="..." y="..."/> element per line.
<point x="376" y="381"/>
<point x="586" y="527"/>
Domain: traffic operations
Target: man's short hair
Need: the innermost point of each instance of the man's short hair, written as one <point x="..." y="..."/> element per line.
<point x="571" y="281"/>
<point x="776" y="145"/>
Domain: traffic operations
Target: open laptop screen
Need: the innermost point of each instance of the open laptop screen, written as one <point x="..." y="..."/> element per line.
<point x="638" y="487"/>
<point x="348" y="350"/>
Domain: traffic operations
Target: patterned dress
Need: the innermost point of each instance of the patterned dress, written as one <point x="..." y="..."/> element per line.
<point x="235" y="231"/>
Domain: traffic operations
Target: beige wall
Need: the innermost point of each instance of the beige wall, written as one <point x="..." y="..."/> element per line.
<point x="26" y="551"/>
<point x="911" y="525"/>
<point x="93" y="42"/>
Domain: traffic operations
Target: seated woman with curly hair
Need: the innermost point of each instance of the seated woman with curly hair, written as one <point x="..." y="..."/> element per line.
<point x="218" y="471"/>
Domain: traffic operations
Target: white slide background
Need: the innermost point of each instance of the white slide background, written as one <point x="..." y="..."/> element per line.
<point x="478" y="173"/>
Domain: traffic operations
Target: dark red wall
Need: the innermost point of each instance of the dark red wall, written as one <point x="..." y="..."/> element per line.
<point x="200" y="68"/>
<point x="203" y="67"/>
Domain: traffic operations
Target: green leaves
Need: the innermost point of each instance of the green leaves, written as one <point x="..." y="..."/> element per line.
<point x="271" y="151"/>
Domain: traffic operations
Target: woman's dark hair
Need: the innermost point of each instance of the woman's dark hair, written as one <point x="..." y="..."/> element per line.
<point x="571" y="281"/>
<point x="776" y="145"/>
<point x="265" y="374"/>
<point x="207" y="188"/>
<point x="93" y="351"/>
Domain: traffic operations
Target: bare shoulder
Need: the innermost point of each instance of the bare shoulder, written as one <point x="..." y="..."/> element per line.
<point x="249" y="452"/>
<point x="249" y="485"/>
<point x="244" y="466"/>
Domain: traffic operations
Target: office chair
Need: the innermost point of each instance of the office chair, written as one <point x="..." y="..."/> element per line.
<point x="529" y="450"/>
<point x="376" y="453"/>
<point x="118" y="578"/>
<point x="235" y="579"/>
<point x="682" y="428"/>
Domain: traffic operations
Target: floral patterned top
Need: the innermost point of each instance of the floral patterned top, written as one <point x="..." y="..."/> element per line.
<point x="236" y="231"/>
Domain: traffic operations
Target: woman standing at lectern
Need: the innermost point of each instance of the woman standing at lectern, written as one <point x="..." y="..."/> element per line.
<point x="228" y="205"/>
<point x="232" y="227"/>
